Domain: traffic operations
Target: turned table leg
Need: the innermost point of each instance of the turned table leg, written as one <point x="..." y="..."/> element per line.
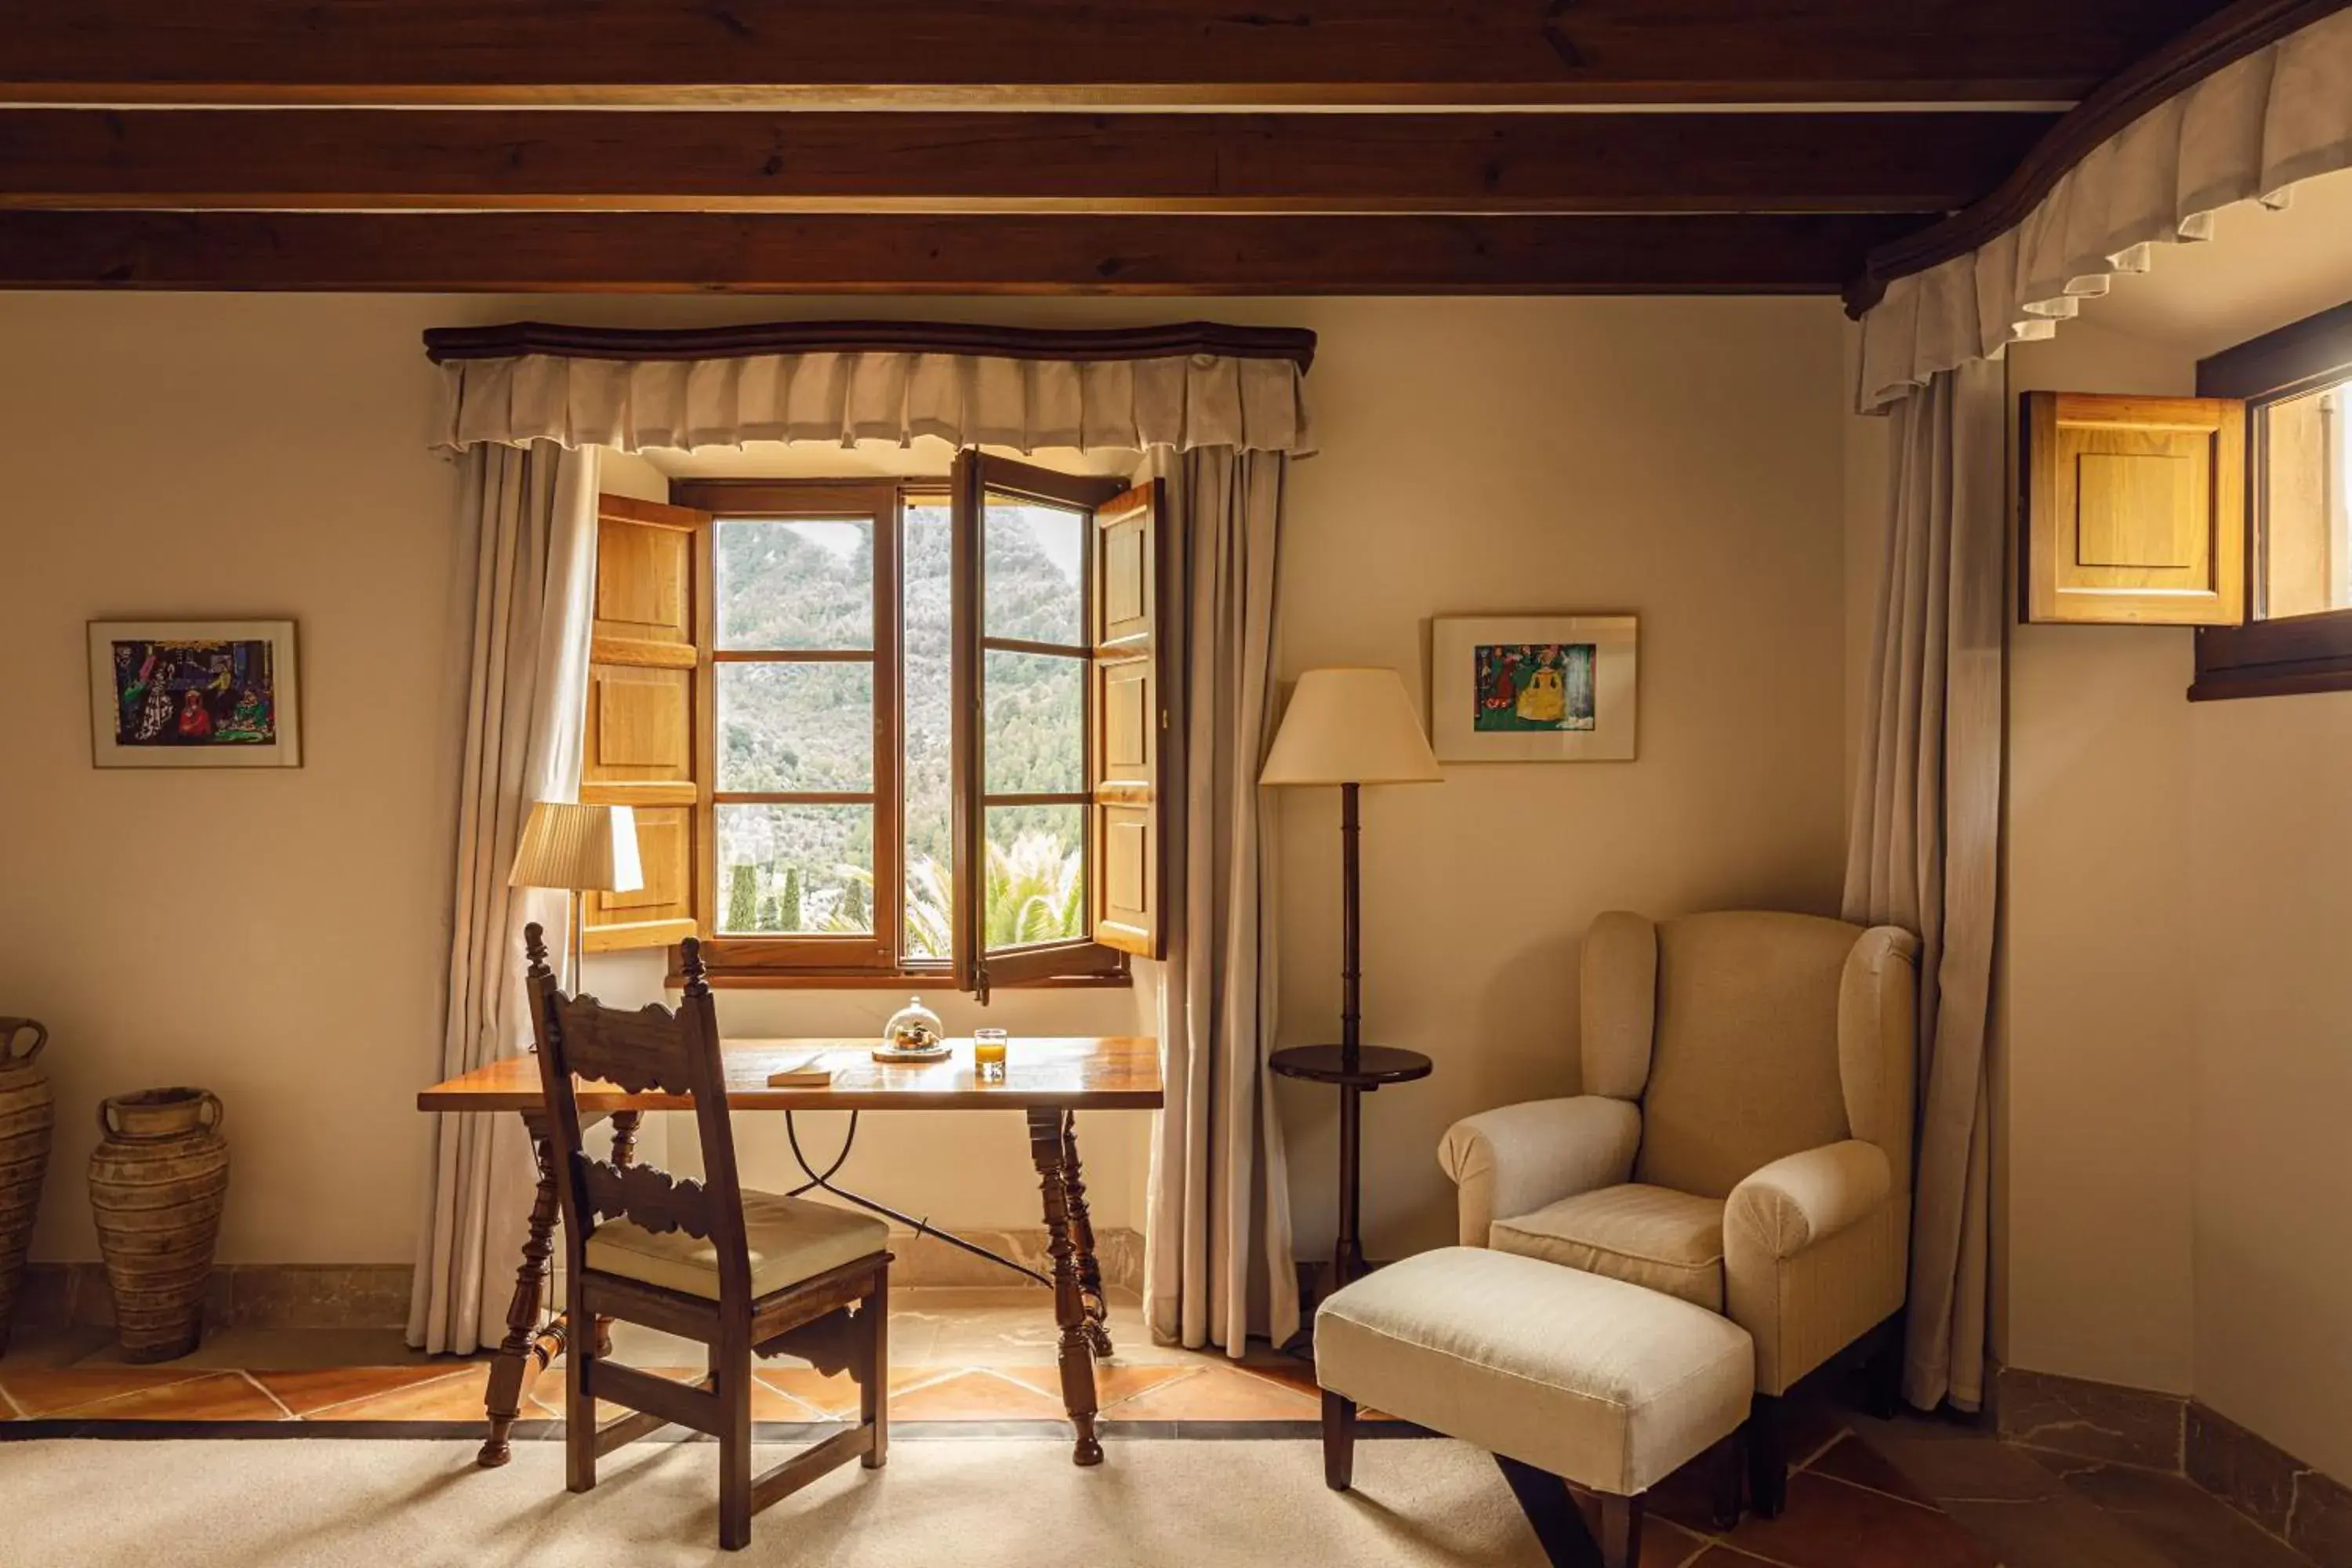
<point x="1082" y="1241"/>
<point x="530" y="1344"/>
<point x="1048" y="1139"/>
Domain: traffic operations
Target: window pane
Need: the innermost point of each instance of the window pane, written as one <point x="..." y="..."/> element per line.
<point x="927" y="646"/>
<point x="785" y="869"/>
<point x="1036" y="708"/>
<point x="2306" y="556"/>
<point x="1036" y="554"/>
<point x="795" y="584"/>
<point x="1036" y="874"/>
<point x="792" y="727"/>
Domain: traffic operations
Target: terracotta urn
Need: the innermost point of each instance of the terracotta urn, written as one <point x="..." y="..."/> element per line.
<point x="157" y="1185"/>
<point x="27" y="1117"/>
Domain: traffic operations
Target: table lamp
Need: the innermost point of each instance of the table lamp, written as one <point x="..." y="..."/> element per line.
<point x="1350" y="727"/>
<point x="580" y="849"/>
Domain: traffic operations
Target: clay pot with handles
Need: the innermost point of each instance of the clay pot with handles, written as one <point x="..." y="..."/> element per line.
<point x="27" y="1121"/>
<point x="157" y="1185"/>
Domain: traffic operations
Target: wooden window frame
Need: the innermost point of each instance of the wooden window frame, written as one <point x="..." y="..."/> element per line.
<point x="830" y="962"/>
<point x="2293" y="654"/>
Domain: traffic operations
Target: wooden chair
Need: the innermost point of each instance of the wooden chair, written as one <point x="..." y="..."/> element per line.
<point x="739" y="1272"/>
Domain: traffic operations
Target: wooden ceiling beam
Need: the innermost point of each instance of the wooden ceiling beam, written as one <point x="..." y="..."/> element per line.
<point x="715" y="253"/>
<point x="947" y="161"/>
<point x="905" y="53"/>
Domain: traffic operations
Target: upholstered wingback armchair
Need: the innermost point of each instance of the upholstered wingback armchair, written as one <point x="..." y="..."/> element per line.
<point x="1744" y="1136"/>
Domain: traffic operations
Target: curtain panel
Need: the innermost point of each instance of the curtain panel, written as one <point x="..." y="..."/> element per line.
<point x="529" y="515"/>
<point x="2251" y="130"/>
<point x="1923" y="847"/>
<point x="1184" y="402"/>
<point x="1217" y="1258"/>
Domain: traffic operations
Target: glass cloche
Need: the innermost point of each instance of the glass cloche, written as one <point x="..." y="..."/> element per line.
<point x="914" y="1029"/>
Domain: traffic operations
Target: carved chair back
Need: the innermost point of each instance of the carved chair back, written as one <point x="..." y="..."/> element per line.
<point x="650" y="1050"/>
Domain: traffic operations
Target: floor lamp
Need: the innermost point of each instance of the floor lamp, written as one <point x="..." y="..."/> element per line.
<point x="1351" y="727"/>
<point x="579" y="849"/>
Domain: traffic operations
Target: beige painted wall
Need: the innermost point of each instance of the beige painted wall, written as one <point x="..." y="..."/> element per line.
<point x="281" y="937"/>
<point x="2099" y="1003"/>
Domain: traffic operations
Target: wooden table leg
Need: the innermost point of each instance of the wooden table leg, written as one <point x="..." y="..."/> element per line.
<point x="1048" y="1138"/>
<point x="625" y="1154"/>
<point x="1082" y="1241"/>
<point x="530" y="1344"/>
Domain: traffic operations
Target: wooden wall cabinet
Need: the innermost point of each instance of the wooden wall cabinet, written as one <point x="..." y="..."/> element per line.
<point x="2134" y="510"/>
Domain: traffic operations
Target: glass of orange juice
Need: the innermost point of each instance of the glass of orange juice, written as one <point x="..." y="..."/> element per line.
<point x="988" y="1055"/>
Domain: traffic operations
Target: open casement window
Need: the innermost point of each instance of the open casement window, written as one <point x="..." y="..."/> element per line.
<point x="800" y="755"/>
<point x="2295" y="633"/>
<point x="1062" y="734"/>
<point x="645" y="690"/>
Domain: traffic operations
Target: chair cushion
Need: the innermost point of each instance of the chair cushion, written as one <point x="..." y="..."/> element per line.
<point x="790" y="1239"/>
<point x="1662" y="1240"/>
<point x="1612" y="1386"/>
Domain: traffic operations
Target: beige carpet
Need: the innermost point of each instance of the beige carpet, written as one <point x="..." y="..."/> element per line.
<point x="971" y="1504"/>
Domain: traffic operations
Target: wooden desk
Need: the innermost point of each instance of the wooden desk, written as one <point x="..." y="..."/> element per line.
<point x="1048" y="1080"/>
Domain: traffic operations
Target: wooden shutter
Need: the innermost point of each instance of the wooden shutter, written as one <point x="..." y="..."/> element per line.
<point x="644" y="689"/>
<point x="2135" y="509"/>
<point x="1134" y="744"/>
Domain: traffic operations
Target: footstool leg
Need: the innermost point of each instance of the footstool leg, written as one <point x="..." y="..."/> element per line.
<point x="1621" y="1531"/>
<point x="1561" y="1530"/>
<point x="1339" y="1441"/>
<point x="1768" y="1458"/>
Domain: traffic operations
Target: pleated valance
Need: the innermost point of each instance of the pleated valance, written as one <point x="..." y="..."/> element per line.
<point x="1134" y="391"/>
<point x="2251" y="130"/>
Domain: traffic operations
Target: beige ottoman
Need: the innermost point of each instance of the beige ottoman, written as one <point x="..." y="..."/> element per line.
<point x="1577" y="1377"/>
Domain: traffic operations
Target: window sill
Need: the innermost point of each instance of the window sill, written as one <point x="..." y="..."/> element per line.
<point x="2283" y="657"/>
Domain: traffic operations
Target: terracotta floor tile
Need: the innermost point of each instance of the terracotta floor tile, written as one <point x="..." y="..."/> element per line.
<point x="215" y="1397"/>
<point x="307" y="1391"/>
<point x="1720" y="1556"/>
<point x="1297" y="1375"/>
<point x="974" y="1395"/>
<point x="1687" y="1496"/>
<point x="1218" y="1394"/>
<point x="550" y="1394"/>
<point x="1114" y="1385"/>
<point x="837" y="1397"/>
<point x="49" y="1392"/>
<point x="1664" y="1544"/>
<point x="1852" y="1459"/>
<point x="1829" y="1524"/>
<point x="456" y="1396"/>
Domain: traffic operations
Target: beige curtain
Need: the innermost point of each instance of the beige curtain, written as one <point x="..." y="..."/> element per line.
<point x="530" y="520"/>
<point x="1923" y="851"/>
<point x="1217" y="1264"/>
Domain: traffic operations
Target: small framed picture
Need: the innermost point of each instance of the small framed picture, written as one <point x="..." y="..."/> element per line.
<point x="194" y="694"/>
<point x="1533" y="689"/>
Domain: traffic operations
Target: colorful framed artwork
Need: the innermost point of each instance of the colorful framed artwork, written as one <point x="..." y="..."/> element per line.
<point x="194" y="694"/>
<point x="1533" y="689"/>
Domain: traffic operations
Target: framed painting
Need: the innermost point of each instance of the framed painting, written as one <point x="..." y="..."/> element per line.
<point x="1533" y="689"/>
<point x="194" y="694"/>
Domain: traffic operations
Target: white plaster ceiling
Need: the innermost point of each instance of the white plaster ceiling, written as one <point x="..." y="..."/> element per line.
<point x="2261" y="270"/>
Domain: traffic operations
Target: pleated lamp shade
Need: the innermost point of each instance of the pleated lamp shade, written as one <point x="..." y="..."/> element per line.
<point x="1350" y="726"/>
<point x="585" y="848"/>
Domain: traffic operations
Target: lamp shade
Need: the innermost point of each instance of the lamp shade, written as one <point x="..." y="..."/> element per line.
<point x="1350" y="726"/>
<point x="586" y="849"/>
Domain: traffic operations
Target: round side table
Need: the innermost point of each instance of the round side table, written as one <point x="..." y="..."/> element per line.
<point x="1356" y="1074"/>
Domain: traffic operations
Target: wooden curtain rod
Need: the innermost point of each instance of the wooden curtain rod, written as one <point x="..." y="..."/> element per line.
<point x="514" y="339"/>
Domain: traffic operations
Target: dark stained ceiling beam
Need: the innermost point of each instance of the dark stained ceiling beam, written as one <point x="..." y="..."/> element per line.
<point x="1030" y="52"/>
<point x="945" y="162"/>
<point x="715" y="253"/>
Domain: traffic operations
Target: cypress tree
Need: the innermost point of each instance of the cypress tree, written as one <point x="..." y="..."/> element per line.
<point x="743" y="898"/>
<point x="853" y="906"/>
<point x="790" y="905"/>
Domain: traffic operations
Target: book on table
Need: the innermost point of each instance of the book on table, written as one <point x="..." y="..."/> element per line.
<point x="803" y="1070"/>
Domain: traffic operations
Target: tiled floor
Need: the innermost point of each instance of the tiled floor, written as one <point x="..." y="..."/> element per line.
<point x="1905" y="1494"/>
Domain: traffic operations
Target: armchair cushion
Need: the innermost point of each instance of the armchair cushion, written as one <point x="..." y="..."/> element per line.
<point x="1521" y="1157"/>
<point x="1815" y="1251"/>
<point x="1666" y="1241"/>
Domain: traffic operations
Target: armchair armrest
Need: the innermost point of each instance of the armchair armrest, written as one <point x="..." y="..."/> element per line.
<point x="1509" y="1161"/>
<point x="1801" y="1199"/>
